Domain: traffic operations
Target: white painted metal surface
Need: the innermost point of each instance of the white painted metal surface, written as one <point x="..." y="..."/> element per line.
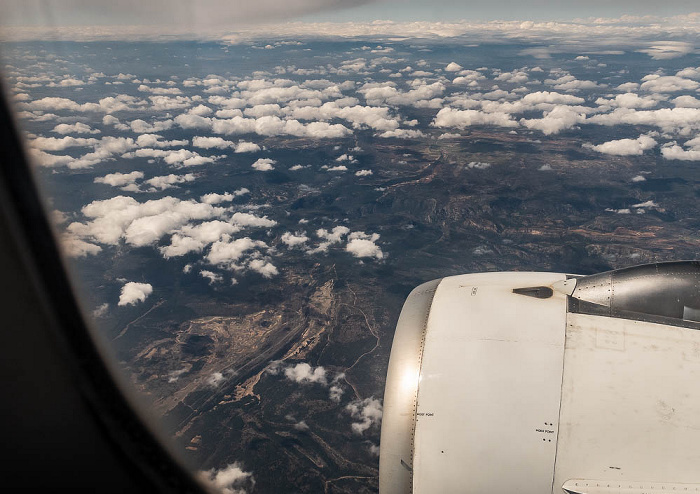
<point x="489" y="390"/>
<point x="581" y="486"/>
<point x="396" y="458"/>
<point x="630" y="403"/>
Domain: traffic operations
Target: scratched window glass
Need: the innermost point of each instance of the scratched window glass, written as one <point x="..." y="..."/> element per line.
<point x="246" y="202"/>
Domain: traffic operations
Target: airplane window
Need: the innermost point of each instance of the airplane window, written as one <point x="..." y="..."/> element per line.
<point x="246" y="194"/>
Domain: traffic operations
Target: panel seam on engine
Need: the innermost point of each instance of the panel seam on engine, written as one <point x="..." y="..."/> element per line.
<point x="420" y="368"/>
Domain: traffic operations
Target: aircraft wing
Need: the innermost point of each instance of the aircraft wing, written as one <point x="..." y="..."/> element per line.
<point x="546" y="383"/>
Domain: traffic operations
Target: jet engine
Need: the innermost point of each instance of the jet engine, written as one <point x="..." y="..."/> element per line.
<point x="535" y="383"/>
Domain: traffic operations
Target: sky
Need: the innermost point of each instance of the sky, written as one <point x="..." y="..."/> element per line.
<point x="238" y="13"/>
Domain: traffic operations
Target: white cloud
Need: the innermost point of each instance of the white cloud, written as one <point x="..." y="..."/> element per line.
<point x="363" y="173"/>
<point x="625" y="147"/>
<point x="673" y="151"/>
<point x="558" y="119"/>
<point x="304" y="373"/>
<point x="133" y="293"/>
<point x="402" y="134"/>
<point x="231" y="479"/>
<point x="292" y="240"/>
<point x="366" y="413"/>
<point x="100" y="311"/>
<point x="179" y="157"/>
<point x="211" y="142"/>
<point x="227" y="252"/>
<point x="139" y="224"/>
<point x="479" y="165"/>
<point x="686" y="102"/>
<point x="158" y="90"/>
<point x="76" y="128"/>
<point x="630" y="100"/>
<point x="120" y="179"/>
<point x="667" y="84"/>
<point x="213" y="278"/>
<point x="681" y="120"/>
<point x="72" y="246"/>
<point x="362" y="245"/>
<point x="646" y="205"/>
<point x="265" y="268"/>
<point x="61" y="143"/>
<point x="168" y="181"/>
<point x="200" y="110"/>
<point x="664" y="50"/>
<point x="338" y="168"/>
<point x="301" y="426"/>
<point x="421" y="96"/>
<point x="571" y="83"/>
<point x="264" y="164"/>
<point x="194" y="238"/>
<point x="247" y="219"/>
<point x="453" y="67"/>
<point x="449" y="117"/>
<point x="551" y="97"/>
<point x="217" y="198"/>
<point x="246" y="147"/>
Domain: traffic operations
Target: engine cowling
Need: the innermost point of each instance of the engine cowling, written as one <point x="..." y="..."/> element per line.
<point x="516" y="382"/>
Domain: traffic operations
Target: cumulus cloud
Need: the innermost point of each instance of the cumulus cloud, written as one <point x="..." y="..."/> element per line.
<point x="72" y="246"/>
<point x="366" y="413"/>
<point x="686" y="101"/>
<point x="214" y="198"/>
<point x="304" y="373"/>
<point x="450" y="117"/>
<point x="211" y="142"/>
<point x="178" y="158"/>
<point x="363" y="173"/>
<point x="133" y="293"/>
<point x="127" y="181"/>
<point x="570" y="83"/>
<point x="421" y="96"/>
<point x="228" y="252"/>
<point x="630" y="100"/>
<point x="248" y="219"/>
<point x="672" y="151"/>
<point x="211" y="276"/>
<point x="292" y="240"/>
<point x="246" y="147"/>
<point x="103" y="150"/>
<point x="231" y="479"/>
<point x="665" y="50"/>
<point x="61" y="143"/>
<point x="362" y="245"/>
<point x="625" y="147"/>
<point x="554" y="121"/>
<point x="402" y="133"/>
<point x="164" y="182"/>
<point x="263" y="267"/>
<point x="338" y="168"/>
<point x="264" y="164"/>
<point x="479" y="165"/>
<point x="330" y="237"/>
<point x="656" y="83"/>
<point x="194" y="238"/>
<point x="139" y="224"/>
<point x="76" y="128"/>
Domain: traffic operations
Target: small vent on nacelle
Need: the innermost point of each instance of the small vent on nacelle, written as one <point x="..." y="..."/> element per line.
<point x="535" y="291"/>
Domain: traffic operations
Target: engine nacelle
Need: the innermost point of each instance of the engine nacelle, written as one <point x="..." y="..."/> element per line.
<point x="546" y="383"/>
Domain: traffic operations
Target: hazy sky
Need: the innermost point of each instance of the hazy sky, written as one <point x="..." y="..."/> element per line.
<point x="234" y="13"/>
